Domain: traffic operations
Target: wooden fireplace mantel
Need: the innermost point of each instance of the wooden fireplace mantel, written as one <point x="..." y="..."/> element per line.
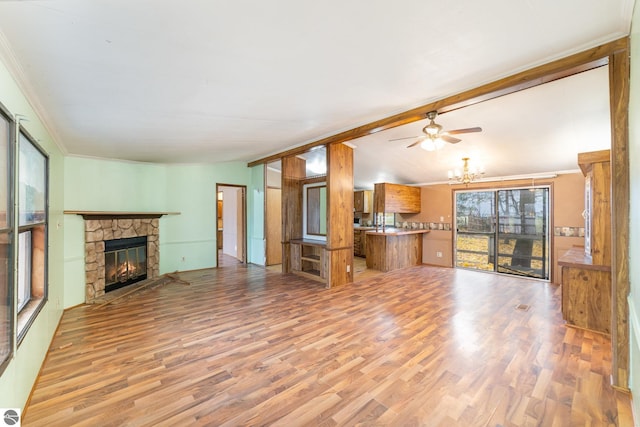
<point x="87" y="215"/>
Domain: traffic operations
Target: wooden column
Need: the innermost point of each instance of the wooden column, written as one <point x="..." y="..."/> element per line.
<point x="339" y="214"/>
<point x="620" y="194"/>
<point x="293" y="171"/>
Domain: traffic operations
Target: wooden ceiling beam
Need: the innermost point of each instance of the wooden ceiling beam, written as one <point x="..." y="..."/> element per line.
<point x="564" y="67"/>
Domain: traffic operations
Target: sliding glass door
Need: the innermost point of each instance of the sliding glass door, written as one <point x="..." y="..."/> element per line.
<point x="475" y="229"/>
<point x="505" y="231"/>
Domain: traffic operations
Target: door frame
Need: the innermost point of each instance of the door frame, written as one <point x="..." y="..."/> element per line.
<point x="243" y="201"/>
<point x="496" y="234"/>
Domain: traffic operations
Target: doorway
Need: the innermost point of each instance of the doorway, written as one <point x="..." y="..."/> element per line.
<point x="273" y="215"/>
<point x="505" y="231"/>
<point x="231" y="224"/>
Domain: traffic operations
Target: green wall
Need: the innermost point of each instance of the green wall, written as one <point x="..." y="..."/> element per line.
<point x="17" y="379"/>
<point x="634" y="237"/>
<point x="103" y="185"/>
<point x="255" y="216"/>
<point x="187" y="240"/>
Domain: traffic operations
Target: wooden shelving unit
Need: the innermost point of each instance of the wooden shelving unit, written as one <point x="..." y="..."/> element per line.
<point x="308" y="258"/>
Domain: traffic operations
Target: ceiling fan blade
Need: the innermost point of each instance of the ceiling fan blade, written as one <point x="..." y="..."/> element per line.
<point x="415" y="143"/>
<point x="466" y="130"/>
<point x="450" y="139"/>
<point x="406" y="137"/>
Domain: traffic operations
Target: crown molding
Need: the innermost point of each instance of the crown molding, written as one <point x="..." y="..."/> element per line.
<point x="8" y="58"/>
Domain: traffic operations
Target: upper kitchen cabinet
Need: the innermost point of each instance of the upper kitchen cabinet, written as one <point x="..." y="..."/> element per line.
<point x="396" y="198"/>
<point x="362" y="201"/>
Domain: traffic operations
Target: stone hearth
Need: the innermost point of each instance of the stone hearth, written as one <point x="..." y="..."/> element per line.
<point x="99" y="230"/>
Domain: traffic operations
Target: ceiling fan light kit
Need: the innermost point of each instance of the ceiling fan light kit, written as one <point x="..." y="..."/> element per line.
<point x="432" y="144"/>
<point x="434" y="137"/>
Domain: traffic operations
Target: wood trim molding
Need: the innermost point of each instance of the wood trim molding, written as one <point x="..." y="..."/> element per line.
<point x="619" y="76"/>
<point x="586" y="160"/>
<point x="118" y="215"/>
<point x="573" y="64"/>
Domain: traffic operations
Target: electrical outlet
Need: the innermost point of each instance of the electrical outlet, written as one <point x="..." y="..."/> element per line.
<point x="439" y="254"/>
<point x="348" y="268"/>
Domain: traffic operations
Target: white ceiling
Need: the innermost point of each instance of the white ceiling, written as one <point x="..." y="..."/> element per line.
<point x="207" y="80"/>
<point x="536" y="131"/>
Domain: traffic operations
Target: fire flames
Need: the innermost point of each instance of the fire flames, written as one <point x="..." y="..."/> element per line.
<point x="126" y="270"/>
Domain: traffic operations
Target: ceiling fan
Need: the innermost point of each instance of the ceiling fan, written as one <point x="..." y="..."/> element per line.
<point x="434" y="137"/>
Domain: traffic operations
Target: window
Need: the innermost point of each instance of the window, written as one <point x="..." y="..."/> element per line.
<point x="32" y="231"/>
<point x="24" y="268"/>
<point x="506" y="231"/>
<point x="6" y="222"/>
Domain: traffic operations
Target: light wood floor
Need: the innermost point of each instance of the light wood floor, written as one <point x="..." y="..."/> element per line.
<point x="242" y="346"/>
<point x="360" y="270"/>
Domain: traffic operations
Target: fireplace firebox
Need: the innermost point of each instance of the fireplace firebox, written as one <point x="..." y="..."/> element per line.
<point x="125" y="262"/>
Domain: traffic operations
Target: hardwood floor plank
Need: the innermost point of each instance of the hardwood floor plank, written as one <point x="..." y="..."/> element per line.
<point x="246" y="346"/>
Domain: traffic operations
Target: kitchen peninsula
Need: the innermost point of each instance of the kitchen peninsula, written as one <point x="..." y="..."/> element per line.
<point x="390" y="249"/>
<point x="393" y="248"/>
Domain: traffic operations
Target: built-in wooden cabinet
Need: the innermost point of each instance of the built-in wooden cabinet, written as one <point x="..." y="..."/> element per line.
<point x="391" y="250"/>
<point x="586" y="292"/>
<point x="396" y="198"/>
<point x="360" y="242"/>
<point x="357" y="243"/>
<point x="596" y="167"/>
<point x="362" y="201"/>
<point x="586" y="271"/>
<point x="308" y="258"/>
<point x="331" y="260"/>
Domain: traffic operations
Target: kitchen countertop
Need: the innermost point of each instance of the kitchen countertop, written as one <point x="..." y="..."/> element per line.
<point x="389" y="231"/>
<point x="576" y="258"/>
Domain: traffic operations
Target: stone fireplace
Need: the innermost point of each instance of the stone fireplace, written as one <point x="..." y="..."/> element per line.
<point x="101" y="226"/>
<point x="111" y="227"/>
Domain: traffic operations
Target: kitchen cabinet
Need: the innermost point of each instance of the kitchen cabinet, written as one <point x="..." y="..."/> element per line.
<point x="360" y="241"/>
<point x="362" y="201"/>
<point x="586" y="271"/>
<point x="391" y="250"/>
<point x="586" y="291"/>
<point x="357" y="242"/>
<point x="396" y="198"/>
